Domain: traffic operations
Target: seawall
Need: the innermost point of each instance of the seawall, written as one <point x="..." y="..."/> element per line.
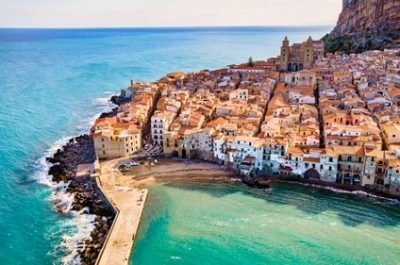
<point x="128" y="204"/>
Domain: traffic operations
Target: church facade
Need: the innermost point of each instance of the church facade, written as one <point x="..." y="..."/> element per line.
<point x="300" y="56"/>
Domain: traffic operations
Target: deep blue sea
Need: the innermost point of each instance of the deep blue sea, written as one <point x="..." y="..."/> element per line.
<point x="54" y="82"/>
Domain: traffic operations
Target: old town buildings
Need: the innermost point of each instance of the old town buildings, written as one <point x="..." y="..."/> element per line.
<point x="332" y="117"/>
<point x="300" y="56"/>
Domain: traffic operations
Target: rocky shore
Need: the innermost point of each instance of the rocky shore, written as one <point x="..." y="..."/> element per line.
<point x="265" y="182"/>
<point x="76" y="151"/>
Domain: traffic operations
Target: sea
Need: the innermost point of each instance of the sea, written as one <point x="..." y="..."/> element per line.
<point x="55" y="82"/>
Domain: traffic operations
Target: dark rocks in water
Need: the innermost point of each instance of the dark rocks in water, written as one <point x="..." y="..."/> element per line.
<point x="119" y="100"/>
<point x="257" y="183"/>
<point x="111" y="113"/>
<point x="76" y="151"/>
<point x="98" y="235"/>
<point x="79" y="150"/>
<point x="116" y="100"/>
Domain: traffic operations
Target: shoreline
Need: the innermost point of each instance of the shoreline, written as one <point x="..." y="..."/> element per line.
<point x="81" y="197"/>
<point x="340" y="188"/>
<point x="84" y="197"/>
<point x="130" y="184"/>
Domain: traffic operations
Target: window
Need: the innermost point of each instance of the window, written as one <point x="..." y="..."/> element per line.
<point x="331" y="159"/>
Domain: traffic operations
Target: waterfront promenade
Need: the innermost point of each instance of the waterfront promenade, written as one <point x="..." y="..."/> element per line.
<point x="129" y="204"/>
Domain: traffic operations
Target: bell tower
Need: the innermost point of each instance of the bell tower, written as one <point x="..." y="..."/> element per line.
<point x="285" y="53"/>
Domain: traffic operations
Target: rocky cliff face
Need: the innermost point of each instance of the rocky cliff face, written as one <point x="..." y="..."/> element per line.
<point x="366" y="25"/>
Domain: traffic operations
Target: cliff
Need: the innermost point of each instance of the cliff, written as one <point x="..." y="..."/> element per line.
<point x="366" y="25"/>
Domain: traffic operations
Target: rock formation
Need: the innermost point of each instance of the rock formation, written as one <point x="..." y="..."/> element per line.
<point x="366" y="25"/>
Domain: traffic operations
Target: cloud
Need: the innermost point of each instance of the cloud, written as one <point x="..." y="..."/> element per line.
<point x="130" y="13"/>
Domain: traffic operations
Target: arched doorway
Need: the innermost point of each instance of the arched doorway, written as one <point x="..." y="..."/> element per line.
<point x="183" y="153"/>
<point x="301" y="66"/>
<point x="289" y="67"/>
<point x="312" y="174"/>
<point x="175" y="153"/>
<point x="295" y="67"/>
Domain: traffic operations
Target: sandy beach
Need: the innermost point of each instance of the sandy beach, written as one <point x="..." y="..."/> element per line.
<point x="167" y="170"/>
<point x="127" y="193"/>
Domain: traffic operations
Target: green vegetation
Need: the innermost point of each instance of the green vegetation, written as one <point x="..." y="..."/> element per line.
<point x="357" y="43"/>
<point x="250" y="62"/>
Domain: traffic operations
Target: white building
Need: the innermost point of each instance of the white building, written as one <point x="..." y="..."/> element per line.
<point x="160" y="123"/>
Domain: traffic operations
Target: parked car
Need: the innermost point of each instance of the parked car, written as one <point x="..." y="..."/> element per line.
<point x="132" y="164"/>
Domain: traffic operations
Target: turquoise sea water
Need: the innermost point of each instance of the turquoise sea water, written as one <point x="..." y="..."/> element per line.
<point x="53" y="82"/>
<point x="218" y="224"/>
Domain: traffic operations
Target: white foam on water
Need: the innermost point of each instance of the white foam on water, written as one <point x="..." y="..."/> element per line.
<point x="359" y="193"/>
<point x="99" y="105"/>
<point x="81" y="224"/>
<point x="62" y="199"/>
<point x="42" y="167"/>
<point x="84" y="224"/>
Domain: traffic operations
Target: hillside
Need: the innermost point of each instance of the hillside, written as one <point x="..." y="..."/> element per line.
<point x="366" y="25"/>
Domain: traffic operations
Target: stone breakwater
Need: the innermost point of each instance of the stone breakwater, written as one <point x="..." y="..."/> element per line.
<point x="76" y="151"/>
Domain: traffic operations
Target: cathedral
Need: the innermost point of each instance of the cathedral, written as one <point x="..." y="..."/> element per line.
<point x="300" y="56"/>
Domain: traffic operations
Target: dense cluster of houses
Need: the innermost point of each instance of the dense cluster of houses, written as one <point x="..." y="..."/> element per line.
<point x="337" y="120"/>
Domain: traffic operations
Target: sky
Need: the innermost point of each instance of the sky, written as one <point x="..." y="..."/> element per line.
<point x="144" y="13"/>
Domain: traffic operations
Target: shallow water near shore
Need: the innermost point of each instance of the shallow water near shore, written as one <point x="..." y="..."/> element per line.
<point x="54" y="82"/>
<point x="233" y="224"/>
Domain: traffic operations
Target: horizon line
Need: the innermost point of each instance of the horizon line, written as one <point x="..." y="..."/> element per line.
<point x="176" y="27"/>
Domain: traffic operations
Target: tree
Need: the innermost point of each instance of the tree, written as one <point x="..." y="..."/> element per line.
<point x="250" y="63"/>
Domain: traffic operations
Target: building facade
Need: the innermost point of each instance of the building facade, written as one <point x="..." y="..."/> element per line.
<point x="300" y="56"/>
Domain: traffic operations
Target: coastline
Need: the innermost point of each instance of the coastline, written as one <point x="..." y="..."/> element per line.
<point x="337" y="188"/>
<point x="83" y="197"/>
<point x="126" y="188"/>
<point x="71" y="201"/>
